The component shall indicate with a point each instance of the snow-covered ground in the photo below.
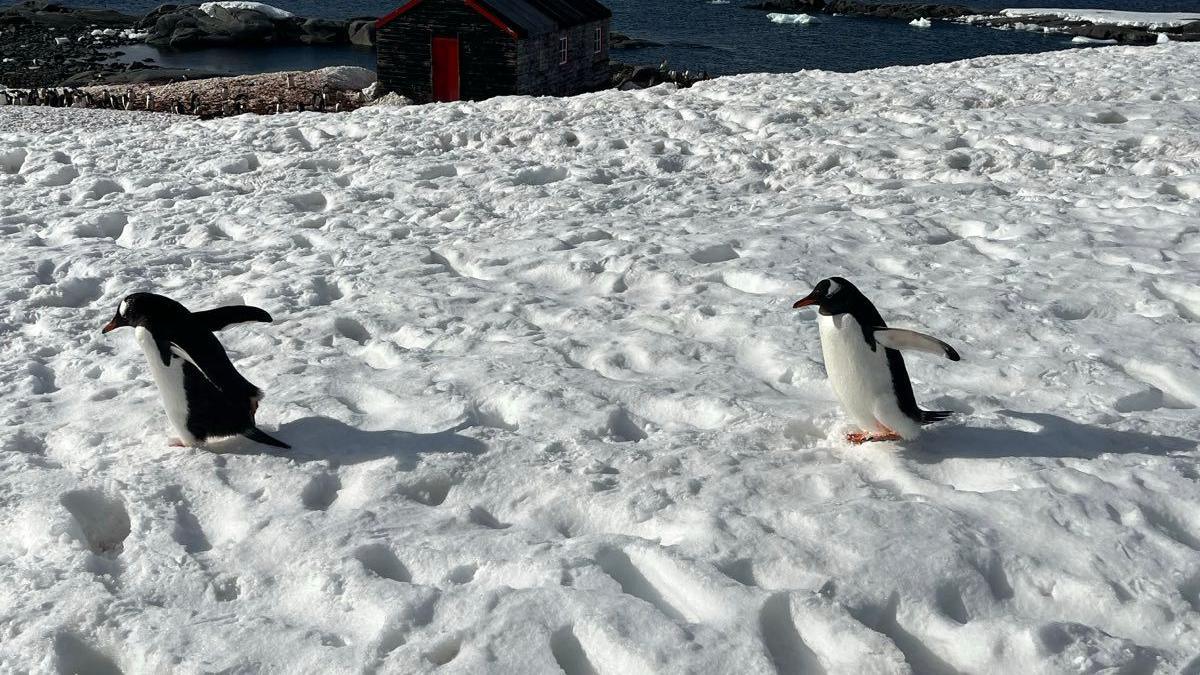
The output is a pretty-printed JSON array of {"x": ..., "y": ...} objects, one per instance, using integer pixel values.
[
  {"x": 552, "y": 408},
  {"x": 1151, "y": 20}
]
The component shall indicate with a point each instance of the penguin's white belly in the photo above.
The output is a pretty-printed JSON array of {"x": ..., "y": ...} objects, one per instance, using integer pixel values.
[
  {"x": 170, "y": 384},
  {"x": 859, "y": 376}
]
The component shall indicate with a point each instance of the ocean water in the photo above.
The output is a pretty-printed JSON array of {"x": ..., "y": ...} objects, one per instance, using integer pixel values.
[{"x": 699, "y": 35}]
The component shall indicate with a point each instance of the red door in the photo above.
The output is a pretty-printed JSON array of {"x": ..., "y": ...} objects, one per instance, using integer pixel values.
[{"x": 445, "y": 69}]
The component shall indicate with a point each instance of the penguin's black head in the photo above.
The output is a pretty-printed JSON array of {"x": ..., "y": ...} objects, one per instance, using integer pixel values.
[
  {"x": 138, "y": 309},
  {"x": 833, "y": 296}
]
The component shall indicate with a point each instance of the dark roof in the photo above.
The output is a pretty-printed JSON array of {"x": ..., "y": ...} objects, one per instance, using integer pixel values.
[{"x": 527, "y": 17}]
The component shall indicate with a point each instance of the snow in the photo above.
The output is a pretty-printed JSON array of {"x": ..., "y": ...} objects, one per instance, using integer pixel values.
[
  {"x": 262, "y": 8},
  {"x": 803, "y": 19},
  {"x": 921, "y": 22},
  {"x": 1083, "y": 39},
  {"x": 348, "y": 77},
  {"x": 552, "y": 408},
  {"x": 1111, "y": 16}
]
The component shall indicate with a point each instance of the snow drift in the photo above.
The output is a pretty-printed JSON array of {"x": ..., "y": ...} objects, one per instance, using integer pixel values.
[{"x": 552, "y": 409}]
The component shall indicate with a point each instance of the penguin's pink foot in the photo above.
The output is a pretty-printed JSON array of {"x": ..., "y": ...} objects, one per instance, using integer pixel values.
[
  {"x": 175, "y": 443},
  {"x": 858, "y": 437}
]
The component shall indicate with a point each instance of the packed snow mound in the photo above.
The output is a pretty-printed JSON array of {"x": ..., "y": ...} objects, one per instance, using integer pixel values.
[
  {"x": 803, "y": 19},
  {"x": 261, "y": 8},
  {"x": 921, "y": 22},
  {"x": 347, "y": 78},
  {"x": 551, "y": 407},
  {"x": 1110, "y": 16}
]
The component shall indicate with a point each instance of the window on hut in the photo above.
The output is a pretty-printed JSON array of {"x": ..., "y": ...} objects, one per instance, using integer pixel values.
[
  {"x": 599, "y": 39},
  {"x": 562, "y": 51}
]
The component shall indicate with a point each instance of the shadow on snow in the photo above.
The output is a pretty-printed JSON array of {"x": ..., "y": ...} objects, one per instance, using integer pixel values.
[
  {"x": 1056, "y": 437},
  {"x": 326, "y": 439}
]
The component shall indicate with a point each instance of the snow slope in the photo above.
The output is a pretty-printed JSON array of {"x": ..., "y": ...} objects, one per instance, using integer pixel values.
[
  {"x": 552, "y": 409},
  {"x": 1111, "y": 16}
]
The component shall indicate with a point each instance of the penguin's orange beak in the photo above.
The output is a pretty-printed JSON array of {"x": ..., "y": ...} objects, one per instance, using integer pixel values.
[
  {"x": 116, "y": 323},
  {"x": 810, "y": 299}
]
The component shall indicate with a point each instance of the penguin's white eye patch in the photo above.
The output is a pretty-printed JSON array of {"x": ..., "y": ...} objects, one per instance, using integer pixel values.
[
  {"x": 122, "y": 307},
  {"x": 834, "y": 287}
]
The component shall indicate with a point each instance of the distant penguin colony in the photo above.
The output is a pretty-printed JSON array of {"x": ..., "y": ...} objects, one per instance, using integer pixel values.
[
  {"x": 193, "y": 104},
  {"x": 865, "y": 368},
  {"x": 204, "y": 395}
]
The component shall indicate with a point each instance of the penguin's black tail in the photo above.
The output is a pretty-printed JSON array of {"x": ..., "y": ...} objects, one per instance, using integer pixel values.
[
  {"x": 260, "y": 436},
  {"x": 931, "y": 416}
]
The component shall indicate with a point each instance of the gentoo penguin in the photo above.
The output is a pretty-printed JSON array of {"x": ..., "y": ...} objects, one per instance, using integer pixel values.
[
  {"x": 204, "y": 395},
  {"x": 866, "y": 370}
]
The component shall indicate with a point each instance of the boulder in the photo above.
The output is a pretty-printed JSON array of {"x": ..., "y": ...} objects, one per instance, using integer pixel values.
[
  {"x": 1192, "y": 28},
  {"x": 190, "y": 27},
  {"x": 1123, "y": 34},
  {"x": 323, "y": 32},
  {"x": 362, "y": 32}
]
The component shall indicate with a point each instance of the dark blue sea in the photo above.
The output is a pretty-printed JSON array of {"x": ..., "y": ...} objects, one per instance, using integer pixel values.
[{"x": 697, "y": 35}]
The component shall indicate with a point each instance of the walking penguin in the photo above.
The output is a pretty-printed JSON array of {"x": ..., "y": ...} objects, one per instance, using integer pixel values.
[
  {"x": 203, "y": 394},
  {"x": 866, "y": 370}
]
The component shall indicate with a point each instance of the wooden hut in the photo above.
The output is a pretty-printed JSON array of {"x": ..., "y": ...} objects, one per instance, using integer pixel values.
[{"x": 447, "y": 50}]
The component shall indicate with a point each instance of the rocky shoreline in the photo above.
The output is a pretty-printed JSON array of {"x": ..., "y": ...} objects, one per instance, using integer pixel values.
[
  {"x": 56, "y": 55},
  {"x": 45, "y": 45},
  {"x": 1082, "y": 28}
]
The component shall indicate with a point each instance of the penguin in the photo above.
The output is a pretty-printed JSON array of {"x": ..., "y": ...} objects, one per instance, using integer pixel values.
[
  {"x": 865, "y": 368},
  {"x": 203, "y": 394}
]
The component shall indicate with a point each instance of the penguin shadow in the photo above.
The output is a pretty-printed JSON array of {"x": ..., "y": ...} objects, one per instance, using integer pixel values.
[
  {"x": 326, "y": 439},
  {"x": 1056, "y": 437}
]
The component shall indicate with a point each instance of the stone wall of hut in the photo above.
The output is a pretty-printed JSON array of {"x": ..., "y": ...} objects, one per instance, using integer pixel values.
[{"x": 539, "y": 70}]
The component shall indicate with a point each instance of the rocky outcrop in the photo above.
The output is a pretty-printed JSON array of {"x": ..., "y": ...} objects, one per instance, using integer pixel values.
[
  {"x": 43, "y": 44},
  {"x": 187, "y": 27},
  {"x": 68, "y": 19},
  {"x": 904, "y": 11},
  {"x": 1132, "y": 35}
]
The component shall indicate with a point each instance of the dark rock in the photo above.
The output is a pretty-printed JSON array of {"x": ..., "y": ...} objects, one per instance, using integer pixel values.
[
  {"x": 188, "y": 27},
  {"x": 619, "y": 41},
  {"x": 1185, "y": 29},
  {"x": 323, "y": 32},
  {"x": 29, "y": 38},
  {"x": 147, "y": 22},
  {"x": 1122, "y": 34},
  {"x": 361, "y": 32}
]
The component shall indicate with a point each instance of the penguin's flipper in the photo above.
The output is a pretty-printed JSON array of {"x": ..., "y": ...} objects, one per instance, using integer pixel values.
[
  {"x": 259, "y": 436},
  {"x": 215, "y": 319},
  {"x": 164, "y": 349},
  {"x": 204, "y": 351},
  {"x": 901, "y": 339}
]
